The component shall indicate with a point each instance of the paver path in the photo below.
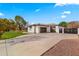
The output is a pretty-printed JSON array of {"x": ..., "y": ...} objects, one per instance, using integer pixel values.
[
  {"x": 69, "y": 47},
  {"x": 33, "y": 45}
]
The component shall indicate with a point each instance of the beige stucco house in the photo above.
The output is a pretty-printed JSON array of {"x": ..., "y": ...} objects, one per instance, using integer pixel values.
[{"x": 40, "y": 28}]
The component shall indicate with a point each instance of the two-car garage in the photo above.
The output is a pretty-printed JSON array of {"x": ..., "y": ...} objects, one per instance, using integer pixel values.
[{"x": 39, "y": 28}]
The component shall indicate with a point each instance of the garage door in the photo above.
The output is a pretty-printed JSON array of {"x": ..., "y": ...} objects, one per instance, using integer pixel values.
[{"x": 43, "y": 30}]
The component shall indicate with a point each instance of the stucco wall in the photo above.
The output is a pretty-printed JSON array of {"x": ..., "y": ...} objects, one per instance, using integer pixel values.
[
  {"x": 36, "y": 29},
  {"x": 48, "y": 29},
  {"x": 57, "y": 29},
  {"x": 31, "y": 29},
  {"x": 78, "y": 31}
]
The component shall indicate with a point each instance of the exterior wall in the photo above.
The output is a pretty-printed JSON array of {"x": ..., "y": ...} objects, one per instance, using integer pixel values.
[
  {"x": 48, "y": 29},
  {"x": 78, "y": 31},
  {"x": 28, "y": 29},
  {"x": 62, "y": 30},
  {"x": 36, "y": 29},
  {"x": 31, "y": 29},
  {"x": 57, "y": 29}
]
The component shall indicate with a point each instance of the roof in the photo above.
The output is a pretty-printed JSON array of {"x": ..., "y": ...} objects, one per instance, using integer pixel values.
[
  {"x": 41, "y": 25},
  {"x": 73, "y": 24}
]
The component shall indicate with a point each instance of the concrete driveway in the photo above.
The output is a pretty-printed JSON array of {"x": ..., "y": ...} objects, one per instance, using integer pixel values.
[{"x": 32, "y": 44}]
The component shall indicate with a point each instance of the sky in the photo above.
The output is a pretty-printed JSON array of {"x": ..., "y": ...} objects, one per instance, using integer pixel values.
[{"x": 41, "y": 12}]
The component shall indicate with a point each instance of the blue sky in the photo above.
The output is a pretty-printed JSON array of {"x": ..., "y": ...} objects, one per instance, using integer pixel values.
[{"x": 40, "y": 12}]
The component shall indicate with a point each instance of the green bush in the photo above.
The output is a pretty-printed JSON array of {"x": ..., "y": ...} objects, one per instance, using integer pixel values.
[{"x": 11, "y": 34}]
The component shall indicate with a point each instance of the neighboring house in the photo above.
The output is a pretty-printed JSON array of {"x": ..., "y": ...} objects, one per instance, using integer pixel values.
[
  {"x": 72, "y": 28},
  {"x": 73, "y": 24},
  {"x": 40, "y": 28}
]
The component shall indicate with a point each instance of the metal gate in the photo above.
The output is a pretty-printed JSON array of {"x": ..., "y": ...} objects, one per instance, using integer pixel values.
[
  {"x": 60, "y": 30},
  {"x": 70, "y": 30}
]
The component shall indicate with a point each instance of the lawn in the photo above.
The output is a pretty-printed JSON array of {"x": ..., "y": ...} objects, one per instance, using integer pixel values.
[{"x": 11, "y": 34}]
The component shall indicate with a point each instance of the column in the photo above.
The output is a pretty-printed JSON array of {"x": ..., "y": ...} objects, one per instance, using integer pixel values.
[
  {"x": 57, "y": 29},
  {"x": 78, "y": 31},
  {"x": 62, "y": 29},
  {"x": 48, "y": 29}
]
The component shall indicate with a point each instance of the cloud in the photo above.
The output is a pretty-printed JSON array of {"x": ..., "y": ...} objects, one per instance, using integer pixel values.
[
  {"x": 1, "y": 14},
  {"x": 59, "y": 4},
  {"x": 66, "y": 12},
  {"x": 66, "y": 1},
  {"x": 63, "y": 16},
  {"x": 63, "y": 3},
  {"x": 37, "y": 10}
]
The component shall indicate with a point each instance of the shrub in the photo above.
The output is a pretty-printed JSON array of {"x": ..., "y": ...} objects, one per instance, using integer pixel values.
[{"x": 11, "y": 34}]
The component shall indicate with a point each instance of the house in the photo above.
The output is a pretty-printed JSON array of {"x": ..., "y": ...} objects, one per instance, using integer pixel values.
[
  {"x": 40, "y": 28},
  {"x": 73, "y": 24}
]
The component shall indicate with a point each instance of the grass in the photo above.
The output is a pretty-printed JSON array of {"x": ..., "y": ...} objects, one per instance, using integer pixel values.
[{"x": 11, "y": 34}]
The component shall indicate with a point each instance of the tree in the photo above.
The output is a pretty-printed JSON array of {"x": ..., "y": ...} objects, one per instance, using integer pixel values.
[
  {"x": 63, "y": 24},
  {"x": 12, "y": 25},
  {"x": 4, "y": 23},
  {"x": 21, "y": 23},
  {"x": 7, "y": 25}
]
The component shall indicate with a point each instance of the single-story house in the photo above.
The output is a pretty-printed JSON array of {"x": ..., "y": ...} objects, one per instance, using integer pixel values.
[{"x": 40, "y": 28}]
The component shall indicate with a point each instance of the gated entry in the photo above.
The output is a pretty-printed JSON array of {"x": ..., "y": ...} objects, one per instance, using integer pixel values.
[
  {"x": 69, "y": 30},
  {"x": 60, "y": 30}
]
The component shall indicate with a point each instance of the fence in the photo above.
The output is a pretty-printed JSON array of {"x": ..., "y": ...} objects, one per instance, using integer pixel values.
[{"x": 71, "y": 30}]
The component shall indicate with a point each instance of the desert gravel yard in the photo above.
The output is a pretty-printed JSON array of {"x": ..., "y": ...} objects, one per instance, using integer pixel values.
[{"x": 68, "y": 47}]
